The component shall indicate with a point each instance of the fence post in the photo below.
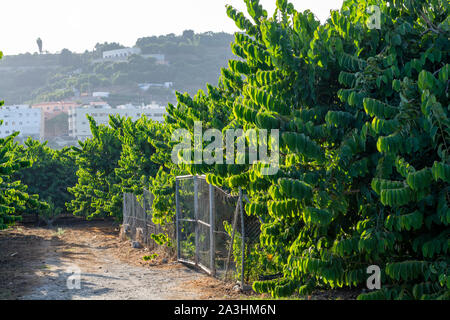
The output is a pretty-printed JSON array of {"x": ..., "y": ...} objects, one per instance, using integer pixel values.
[
  {"x": 123, "y": 211},
  {"x": 243, "y": 238},
  {"x": 212, "y": 228},
  {"x": 145, "y": 218},
  {"x": 196, "y": 220},
  {"x": 133, "y": 216},
  {"x": 177, "y": 217},
  {"x": 230, "y": 249}
]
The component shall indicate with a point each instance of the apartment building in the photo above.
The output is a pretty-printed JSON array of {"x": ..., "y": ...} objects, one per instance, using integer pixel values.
[
  {"x": 79, "y": 124},
  {"x": 22, "y": 118}
]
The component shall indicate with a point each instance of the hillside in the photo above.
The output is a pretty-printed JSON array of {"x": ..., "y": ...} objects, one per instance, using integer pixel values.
[{"x": 192, "y": 61}]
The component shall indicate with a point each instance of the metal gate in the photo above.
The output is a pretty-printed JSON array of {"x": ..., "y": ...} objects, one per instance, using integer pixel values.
[
  {"x": 209, "y": 227},
  {"x": 195, "y": 222}
]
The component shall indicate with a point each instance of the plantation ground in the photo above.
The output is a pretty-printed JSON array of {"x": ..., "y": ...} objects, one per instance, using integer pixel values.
[{"x": 34, "y": 264}]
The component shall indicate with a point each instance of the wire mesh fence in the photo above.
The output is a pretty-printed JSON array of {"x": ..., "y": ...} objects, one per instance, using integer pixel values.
[
  {"x": 210, "y": 228},
  {"x": 137, "y": 219}
]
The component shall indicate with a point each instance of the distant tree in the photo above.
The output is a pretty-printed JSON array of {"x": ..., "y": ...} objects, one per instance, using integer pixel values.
[
  {"x": 39, "y": 43},
  {"x": 188, "y": 34},
  {"x": 106, "y": 46},
  {"x": 65, "y": 57}
]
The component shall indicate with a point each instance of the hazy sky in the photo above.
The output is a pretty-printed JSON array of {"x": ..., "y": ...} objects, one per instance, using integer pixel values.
[{"x": 79, "y": 24}]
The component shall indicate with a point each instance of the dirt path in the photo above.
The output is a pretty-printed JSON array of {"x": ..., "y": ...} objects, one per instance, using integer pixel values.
[{"x": 38, "y": 263}]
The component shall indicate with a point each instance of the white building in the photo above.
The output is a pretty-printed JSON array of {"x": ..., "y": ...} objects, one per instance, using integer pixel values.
[
  {"x": 20, "y": 118},
  {"x": 146, "y": 86},
  {"x": 121, "y": 53},
  {"x": 79, "y": 124},
  {"x": 100, "y": 94}
]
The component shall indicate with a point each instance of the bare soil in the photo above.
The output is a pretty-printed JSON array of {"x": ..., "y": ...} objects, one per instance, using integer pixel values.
[{"x": 36, "y": 263}]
